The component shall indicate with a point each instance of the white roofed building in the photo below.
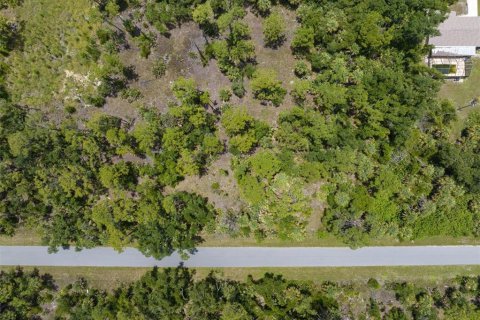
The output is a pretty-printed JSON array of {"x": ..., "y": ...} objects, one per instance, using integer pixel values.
[{"x": 457, "y": 43}]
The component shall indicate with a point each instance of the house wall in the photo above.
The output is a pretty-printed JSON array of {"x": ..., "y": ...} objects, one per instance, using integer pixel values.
[
  {"x": 460, "y": 64},
  {"x": 472, "y": 7}
]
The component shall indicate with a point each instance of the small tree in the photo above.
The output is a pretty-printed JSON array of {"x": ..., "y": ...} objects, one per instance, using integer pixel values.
[
  {"x": 267, "y": 87},
  {"x": 203, "y": 14},
  {"x": 303, "y": 41},
  {"x": 159, "y": 68},
  {"x": 274, "y": 30}
]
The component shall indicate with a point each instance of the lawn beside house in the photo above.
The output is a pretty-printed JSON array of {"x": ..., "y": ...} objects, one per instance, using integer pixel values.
[{"x": 461, "y": 94}]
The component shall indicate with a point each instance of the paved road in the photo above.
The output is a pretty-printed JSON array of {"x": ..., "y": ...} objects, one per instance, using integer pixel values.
[{"x": 249, "y": 257}]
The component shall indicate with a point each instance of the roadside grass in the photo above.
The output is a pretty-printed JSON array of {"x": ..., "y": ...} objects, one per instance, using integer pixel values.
[
  {"x": 111, "y": 278},
  {"x": 23, "y": 237},
  {"x": 213, "y": 240},
  {"x": 460, "y": 94},
  {"x": 31, "y": 237},
  {"x": 420, "y": 275}
]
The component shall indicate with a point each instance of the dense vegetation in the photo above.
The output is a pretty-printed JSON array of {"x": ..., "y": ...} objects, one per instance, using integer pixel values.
[
  {"x": 175, "y": 294},
  {"x": 367, "y": 137}
]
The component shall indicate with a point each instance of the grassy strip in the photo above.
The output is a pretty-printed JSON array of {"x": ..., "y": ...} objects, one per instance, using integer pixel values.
[
  {"x": 110, "y": 278},
  {"x": 329, "y": 241},
  {"x": 28, "y": 237},
  {"x": 22, "y": 237},
  {"x": 461, "y": 94}
]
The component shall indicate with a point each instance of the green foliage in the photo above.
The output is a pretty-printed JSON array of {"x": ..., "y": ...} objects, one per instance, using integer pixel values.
[
  {"x": 301, "y": 89},
  {"x": 231, "y": 47},
  {"x": 278, "y": 204},
  {"x": 7, "y": 36},
  {"x": 145, "y": 43},
  {"x": 179, "y": 293},
  {"x": 225, "y": 95},
  {"x": 203, "y": 14},
  {"x": 9, "y": 3},
  {"x": 238, "y": 88},
  {"x": 77, "y": 69},
  {"x": 373, "y": 283},
  {"x": 121, "y": 175},
  {"x": 263, "y": 6},
  {"x": 267, "y": 87},
  {"x": 370, "y": 139},
  {"x": 244, "y": 131},
  {"x": 181, "y": 218},
  {"x": 303, "y": 41},
  {"x": 302, "y": 70},
  {"x": 186, "y": 91},
  {"x": 159, "y": 68},
  {"x": 274, "y": 29},
  {"x": 131, "y": 94},
  {"x": 24, "y": 293}
]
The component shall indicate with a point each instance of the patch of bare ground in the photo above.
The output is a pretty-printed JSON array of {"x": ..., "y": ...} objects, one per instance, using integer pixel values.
[
  {"x": 179, "y": 50},
  {"x": 219, "y": 187}
]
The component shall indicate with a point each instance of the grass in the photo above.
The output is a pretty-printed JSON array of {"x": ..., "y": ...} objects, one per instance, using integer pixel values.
[
  {"x": 329, "y": 241},
  {"x": 460, "y": 94},
  {"x": 110, "y": 278},
  {"x": 22, "y": 237},
  {"x": 419, "y": 275},
  {"x": 29, "y": 237}
]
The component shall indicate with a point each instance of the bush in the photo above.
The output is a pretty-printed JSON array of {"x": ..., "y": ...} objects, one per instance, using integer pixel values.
[
  {"x": 238, "y": 88},
  {"x": 373, "y": 283},
  {"x": 131, "y": 94},
  {"x": 70, "y": 109},
  {"x": 159, "y": 68},
  {"x": 267, "y": 87},
  {"x": 215, "y": 186},
  {"x": 225, "y": 95},
  {"x": 302, "y": 70},
  {"x": 274, "y": 30},
  {"x": 303, "y": 41},
  {"x": 300, "y": 90}
]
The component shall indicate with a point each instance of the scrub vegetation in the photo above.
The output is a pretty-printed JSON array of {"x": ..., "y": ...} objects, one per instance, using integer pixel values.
[
  {"x": 183, "y": 294},
  {"x": 155, "y": 123}
]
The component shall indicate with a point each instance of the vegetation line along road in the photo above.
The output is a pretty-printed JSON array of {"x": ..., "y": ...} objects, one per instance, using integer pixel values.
[{"x": 248, "y": 257}]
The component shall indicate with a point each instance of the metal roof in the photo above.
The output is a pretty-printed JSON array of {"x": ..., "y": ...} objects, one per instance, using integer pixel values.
[{"x": 458, "y": 31}]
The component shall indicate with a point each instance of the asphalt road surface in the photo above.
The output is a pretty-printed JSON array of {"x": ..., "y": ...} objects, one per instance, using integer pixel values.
[{"x": 248, "y": 257}]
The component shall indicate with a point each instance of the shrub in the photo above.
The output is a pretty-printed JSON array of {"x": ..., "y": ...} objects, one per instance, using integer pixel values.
[
  {"x": 303, "y": 41},
  {"x": 267, "y": 87},
  {"x": 302, "y": 70},
  {"x": 225, "y": 95},
  {"x": 159, "y": 68},
  {"x": 215, "y": 186},
  {"x": 274, "y": 30},
  {"x": 373, "y": 283},
  {"x": 131, "y": 94},
  {"x": 238, "y": 88}
]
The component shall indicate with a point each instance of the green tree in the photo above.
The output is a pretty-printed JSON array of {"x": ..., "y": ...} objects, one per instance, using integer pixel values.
[
  {"x": 267, "y": 87},
  {"x": 274, "y": 29},
  {"x": 303, "y": 41},
  {"x": 203, "y": 14},
  {"x": 24, "y": 293}
]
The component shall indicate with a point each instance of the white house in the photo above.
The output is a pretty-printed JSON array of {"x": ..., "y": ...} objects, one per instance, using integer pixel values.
[{"x": 457, "y": 43}]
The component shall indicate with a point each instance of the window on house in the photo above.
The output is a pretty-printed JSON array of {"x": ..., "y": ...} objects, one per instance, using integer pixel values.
[{"x": 446, "y": 68}]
